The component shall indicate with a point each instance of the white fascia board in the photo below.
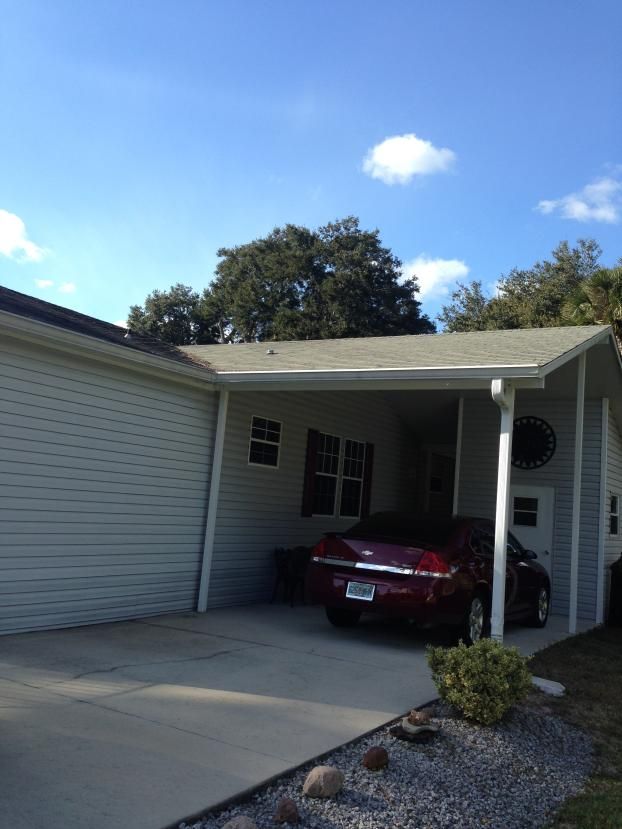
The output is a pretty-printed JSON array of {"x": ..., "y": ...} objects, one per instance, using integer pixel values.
[
  {"x": 600, "y": 336},
  {"x": 36, "y": 332},
  {"x": 450, "y": 376}
]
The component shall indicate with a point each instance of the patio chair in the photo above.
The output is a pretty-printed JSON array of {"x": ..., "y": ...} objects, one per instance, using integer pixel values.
[{"x": 291, "y": 568}]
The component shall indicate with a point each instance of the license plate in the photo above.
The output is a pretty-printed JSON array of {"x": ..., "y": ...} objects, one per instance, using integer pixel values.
[{"x": 357, "y": 590}]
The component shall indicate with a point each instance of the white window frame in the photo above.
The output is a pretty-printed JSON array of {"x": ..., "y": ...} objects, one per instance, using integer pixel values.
[
  {"x": 535, "y": 511},
  {"x": 614, "y": 514},
  {"x": 337, "y": 477},
  {"x": 343, "y": 477},
  {"x": 262, "y": 440},
  {"x": 336, "y": 513}
]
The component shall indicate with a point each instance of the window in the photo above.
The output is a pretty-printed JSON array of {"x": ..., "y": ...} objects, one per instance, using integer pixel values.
[
  {"x": 525, "y": 512},
  {"x": 327, "y": 475},
  {"x": 265, "y": 442},
  {"x": 337, "y": 476},
  {"x": 352, "y": 479},
  {"x": 614, "y": 515}
]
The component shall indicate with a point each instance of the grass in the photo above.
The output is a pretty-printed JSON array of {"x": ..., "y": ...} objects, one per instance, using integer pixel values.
[{"x": 590, "y": 666}]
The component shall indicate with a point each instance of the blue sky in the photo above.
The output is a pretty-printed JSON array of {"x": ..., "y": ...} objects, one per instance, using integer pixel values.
[{"x": 138, "y": 138}]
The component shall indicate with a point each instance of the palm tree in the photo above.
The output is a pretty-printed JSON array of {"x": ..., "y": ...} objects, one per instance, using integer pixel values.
[{"x": 598, "y": 301}]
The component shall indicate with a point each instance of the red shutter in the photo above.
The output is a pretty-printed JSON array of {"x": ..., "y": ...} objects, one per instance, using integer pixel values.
[
  {"x": 313, "y": 440},
  {"x": 367, "y": 476}
]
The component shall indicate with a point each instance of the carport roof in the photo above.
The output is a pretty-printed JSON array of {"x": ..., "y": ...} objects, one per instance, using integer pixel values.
[{"x": 532, "y": 348}]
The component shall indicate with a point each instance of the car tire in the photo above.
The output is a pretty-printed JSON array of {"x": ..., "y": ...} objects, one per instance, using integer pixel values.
[
  {"x": 342, "y": 618},
  {"x": 476, "y": 624},
  {"x": 540, "y": 612}
]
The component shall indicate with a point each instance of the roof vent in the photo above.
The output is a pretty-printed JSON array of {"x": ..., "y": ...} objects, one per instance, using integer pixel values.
[{"x": 270, "y": 351}]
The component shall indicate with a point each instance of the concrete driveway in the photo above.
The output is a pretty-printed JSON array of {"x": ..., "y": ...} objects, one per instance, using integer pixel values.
[{"x": 142, "y": 723}]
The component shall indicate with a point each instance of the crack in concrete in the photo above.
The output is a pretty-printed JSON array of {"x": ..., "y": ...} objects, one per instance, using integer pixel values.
[
  {"x": 311, "y": 652},
  {"x": 182, "y": 730},
  {"x": 110, "y": 710},
  {"x": 114, "y": 668}
]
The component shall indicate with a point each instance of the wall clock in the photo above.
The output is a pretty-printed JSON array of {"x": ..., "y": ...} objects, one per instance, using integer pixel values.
[{"x": 533, "y": 442}]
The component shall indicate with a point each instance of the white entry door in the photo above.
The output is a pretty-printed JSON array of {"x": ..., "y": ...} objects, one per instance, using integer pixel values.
[{"x": 532, "y": 510}]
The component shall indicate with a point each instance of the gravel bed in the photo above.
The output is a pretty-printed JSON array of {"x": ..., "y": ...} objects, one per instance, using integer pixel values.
[{"x": 513, "y": 775}]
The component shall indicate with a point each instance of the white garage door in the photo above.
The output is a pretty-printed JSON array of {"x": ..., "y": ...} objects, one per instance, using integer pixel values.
[{"x": 103, "y": 482}]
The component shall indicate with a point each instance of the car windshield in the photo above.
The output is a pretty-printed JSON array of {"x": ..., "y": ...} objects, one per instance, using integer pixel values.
[{"x": 405, "y": 527}]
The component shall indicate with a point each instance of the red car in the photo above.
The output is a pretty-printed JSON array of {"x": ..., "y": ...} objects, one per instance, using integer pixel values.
[{"x": 428, "y": 570}]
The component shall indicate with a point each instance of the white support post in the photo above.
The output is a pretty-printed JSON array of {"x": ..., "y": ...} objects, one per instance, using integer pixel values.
[
  {"x": 212, "y": 506},
  {"x": 458, "y": 455},
  {"x": 600, "y": 567},
  {"x": 576, "y": 497},
  {"x": 503, "y": 395}
]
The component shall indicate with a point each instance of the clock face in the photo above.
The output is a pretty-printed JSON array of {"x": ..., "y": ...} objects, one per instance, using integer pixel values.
[{"x": 533, "y": 442}]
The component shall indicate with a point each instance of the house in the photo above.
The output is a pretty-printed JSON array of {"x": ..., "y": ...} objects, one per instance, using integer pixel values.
[{"x": 140, "y": 479}]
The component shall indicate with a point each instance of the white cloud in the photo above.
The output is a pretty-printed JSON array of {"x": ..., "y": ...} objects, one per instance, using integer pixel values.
[
  {"x": 44, "y": 283},
  {"x": 400, "y": 158},
  {"x": 14, "y": 241},
  {"x": 600, "y": 201},
  {"x": 121, "y": 323},
  {"x": 67, "y": 288},
  {"x": 436, "y": 276}
]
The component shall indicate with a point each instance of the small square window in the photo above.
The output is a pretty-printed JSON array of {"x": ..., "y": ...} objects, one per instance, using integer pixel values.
[
  {"x": 525, "y": 512},
  {"x": 265, "y": 442},
  {"x": 614, "y": 515}
]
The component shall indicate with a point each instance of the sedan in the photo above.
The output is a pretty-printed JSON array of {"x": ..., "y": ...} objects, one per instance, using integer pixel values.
[{"x": 426, "y": 569}]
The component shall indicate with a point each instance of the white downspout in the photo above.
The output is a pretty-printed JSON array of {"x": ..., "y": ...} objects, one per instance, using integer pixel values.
[
  {"x": 458, "y": 456},
  {"x": 600, "y": 568},
  {"x": 212, "y": 506},
  {"x": 576, "y": 497},
  {"x": 503, "y": 395}
]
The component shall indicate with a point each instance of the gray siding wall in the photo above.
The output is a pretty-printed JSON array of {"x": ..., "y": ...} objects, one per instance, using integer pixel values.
[
  {"x": 103, "y": 485},
  {"x": 259, "y": 507},
  {"x": 478, "y": 480},
  {"x": 613, "y": 543}
]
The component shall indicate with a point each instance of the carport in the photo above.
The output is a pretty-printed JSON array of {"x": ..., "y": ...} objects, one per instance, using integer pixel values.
[{"x": 559, "y": 376}]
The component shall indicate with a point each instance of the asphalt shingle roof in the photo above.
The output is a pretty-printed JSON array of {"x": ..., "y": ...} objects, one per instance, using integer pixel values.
[
  {"x": 523, "y": 347},
  {"x": 36, "y": 309}
]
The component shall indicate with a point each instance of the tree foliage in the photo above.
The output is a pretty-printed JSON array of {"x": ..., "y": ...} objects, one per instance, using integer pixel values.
[
  {"x": 175, "y": 316},
  {"x": 597, "y": 301},
  {"x": 525, "y": 298},
  {"x": 337, "y": 281}
]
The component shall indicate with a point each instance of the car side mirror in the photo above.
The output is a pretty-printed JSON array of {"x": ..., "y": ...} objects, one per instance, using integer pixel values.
[{"x": 530, "y": 554}]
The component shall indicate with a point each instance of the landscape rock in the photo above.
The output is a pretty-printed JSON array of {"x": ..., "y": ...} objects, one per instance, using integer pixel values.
[
  {"x": 423, "y": 736},
  {"x": 549, "y": 686},
  {"x": 375, "y": 758},
  {"x": 240, "y": 822},
  {"x": 323, "y": 781},
  {"x": 420, "y": 717},
  {"x": 286, "y": 811},
  {"x": 409, "y": 728}
]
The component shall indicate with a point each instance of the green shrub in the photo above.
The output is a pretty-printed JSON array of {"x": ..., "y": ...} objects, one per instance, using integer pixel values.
[{"x": 482, "y": 681}]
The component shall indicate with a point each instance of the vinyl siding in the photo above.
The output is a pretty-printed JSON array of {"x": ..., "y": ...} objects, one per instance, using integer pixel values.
[
  {"x": 613, "y": 543},
  {"x": 103, "y": 486},
  {"x": 259, "y": 507},
  {"x": 478, "y": 478}
]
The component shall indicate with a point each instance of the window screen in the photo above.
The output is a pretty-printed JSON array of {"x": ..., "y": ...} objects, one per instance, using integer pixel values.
[{"x": 265, "y": 442}]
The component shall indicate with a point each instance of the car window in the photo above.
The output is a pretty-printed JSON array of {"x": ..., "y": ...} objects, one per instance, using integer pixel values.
[
  {"x": 405, "y": 528},
  {"x": 483, "y": 541}
]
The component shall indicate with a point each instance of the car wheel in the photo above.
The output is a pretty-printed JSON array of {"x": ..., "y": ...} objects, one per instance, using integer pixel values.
[
  {"x": 477, "y": 620},
  {"x": 540, "y": 612},
  {"x": 341, "y": 618}
]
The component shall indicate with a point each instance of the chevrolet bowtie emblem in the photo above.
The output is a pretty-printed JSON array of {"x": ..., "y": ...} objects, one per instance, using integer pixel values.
[{"x": 367, "y": 553}]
